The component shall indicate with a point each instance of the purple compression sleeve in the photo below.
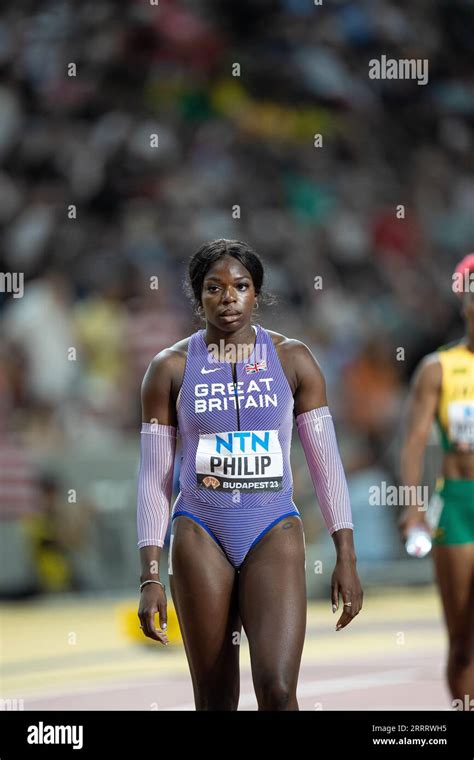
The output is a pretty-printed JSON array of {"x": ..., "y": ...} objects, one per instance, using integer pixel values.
[
  {"x": 155, "y": 482},
  {"x": 318, "y": 438}
]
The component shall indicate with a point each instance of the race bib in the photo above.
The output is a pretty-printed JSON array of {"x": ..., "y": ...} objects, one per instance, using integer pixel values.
[
  {"x": 461, "y": 424},
  {"x": 247, "y": 460}
]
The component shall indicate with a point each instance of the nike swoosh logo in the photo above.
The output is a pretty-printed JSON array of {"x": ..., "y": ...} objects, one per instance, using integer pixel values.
[{"x": 206, "y": 371}]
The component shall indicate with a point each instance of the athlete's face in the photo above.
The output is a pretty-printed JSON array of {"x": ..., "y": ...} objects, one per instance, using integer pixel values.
[{"x": 228, "y": 295}]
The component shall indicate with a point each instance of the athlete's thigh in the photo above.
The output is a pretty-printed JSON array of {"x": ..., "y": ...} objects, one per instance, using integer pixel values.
[
  {"x": 204, "y": 588},
  {"x": 272, "y": 601},
  {"x": 454, "y": 569}
]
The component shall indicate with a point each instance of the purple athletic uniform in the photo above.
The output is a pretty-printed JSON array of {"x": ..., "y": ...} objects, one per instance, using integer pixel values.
[{"x": 235, "y": 477}]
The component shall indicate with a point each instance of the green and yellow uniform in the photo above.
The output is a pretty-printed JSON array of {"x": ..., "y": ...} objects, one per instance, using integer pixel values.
[{"x": 451, "y": 510}]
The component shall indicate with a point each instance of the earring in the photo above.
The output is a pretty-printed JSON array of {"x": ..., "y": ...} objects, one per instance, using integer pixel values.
[{"x": 255, "y": 306}]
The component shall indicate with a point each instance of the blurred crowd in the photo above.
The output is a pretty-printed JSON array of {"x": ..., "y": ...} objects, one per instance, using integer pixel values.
[{"x": 131, "y": 131}]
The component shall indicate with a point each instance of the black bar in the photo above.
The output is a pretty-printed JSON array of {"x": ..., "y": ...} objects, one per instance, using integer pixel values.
[{"x": 321, "y": 733}]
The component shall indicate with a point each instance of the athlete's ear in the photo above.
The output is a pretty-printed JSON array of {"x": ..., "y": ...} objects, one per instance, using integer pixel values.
[{"x": 199, "y": 311}]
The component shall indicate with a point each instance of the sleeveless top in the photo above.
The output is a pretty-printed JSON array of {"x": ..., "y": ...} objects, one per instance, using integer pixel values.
[
  {"x": 235, "y": 437},
  {"x": 455, "y": 414}
]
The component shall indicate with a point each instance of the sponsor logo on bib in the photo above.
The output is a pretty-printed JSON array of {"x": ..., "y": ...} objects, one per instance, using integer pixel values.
[{"x": 247, "y": 460}]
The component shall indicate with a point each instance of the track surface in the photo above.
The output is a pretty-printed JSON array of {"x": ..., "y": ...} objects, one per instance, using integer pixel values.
[{"x": 76, "y": 655}]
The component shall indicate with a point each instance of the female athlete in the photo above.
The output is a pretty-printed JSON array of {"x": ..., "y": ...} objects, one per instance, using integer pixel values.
[
  {"x": 237, "y": 555},
  {"x": 443, "y": 390}
]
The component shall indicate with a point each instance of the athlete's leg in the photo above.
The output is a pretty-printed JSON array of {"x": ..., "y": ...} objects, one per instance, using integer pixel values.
[
  {"x": 204, "y": 590},
  {"x": 454, "y": 567},
  {"x": 272, "y": 601}
]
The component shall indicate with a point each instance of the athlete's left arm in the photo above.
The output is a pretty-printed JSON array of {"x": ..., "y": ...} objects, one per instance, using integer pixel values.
[{"x": 318, "y": 438}]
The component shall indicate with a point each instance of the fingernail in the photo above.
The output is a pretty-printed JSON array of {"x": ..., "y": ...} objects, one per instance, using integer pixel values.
[
  {"x": 164, "y": 626},
  {"x": 334, "y": 608},
  {"x": 338, "y": 627}
]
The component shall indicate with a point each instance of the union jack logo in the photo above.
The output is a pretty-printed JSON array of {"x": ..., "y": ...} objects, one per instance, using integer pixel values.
[{"x": 255, "y": 367}]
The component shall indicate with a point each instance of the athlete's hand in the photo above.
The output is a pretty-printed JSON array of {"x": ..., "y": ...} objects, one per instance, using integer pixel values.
[
  {"x": 153, "y": 600},
  {"x": 345, "y": 581},
  {"x": 413, "y": 516}
]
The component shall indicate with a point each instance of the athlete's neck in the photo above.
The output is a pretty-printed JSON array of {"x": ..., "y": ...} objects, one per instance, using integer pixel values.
[
  {"x": 225, "y": 344},
  {"x": 246, "y": 334}
]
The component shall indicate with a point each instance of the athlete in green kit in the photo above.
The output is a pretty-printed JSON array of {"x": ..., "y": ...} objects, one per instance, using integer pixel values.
[{"x": 443, "y": 392}]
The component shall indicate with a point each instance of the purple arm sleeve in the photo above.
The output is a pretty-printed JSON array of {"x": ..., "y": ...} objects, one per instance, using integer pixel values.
[
  {"x": 318, "y": 438},
  {"x": 155, "y": 482}
]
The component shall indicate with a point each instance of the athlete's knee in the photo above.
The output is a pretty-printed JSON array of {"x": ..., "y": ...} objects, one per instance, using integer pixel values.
[
  {"x": 216, "y": 702},
  {"x": 461, "y": 653},
  {"x": 274, "y": 693},
  {"x": 217, "y": 697}
]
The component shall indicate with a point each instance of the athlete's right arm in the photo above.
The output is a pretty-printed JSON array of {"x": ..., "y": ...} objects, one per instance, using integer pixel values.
[
  {"x": 155, "y": 483},
  {"x": 423, "y": 401}
]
